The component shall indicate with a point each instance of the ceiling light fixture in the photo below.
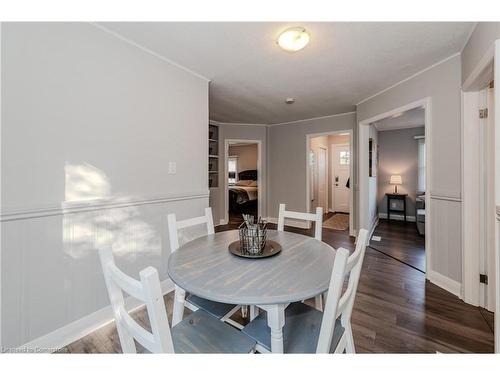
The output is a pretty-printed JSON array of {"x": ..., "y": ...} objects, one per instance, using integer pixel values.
[
  {"x": 293, "y": 39},
  {"x": 289, "y": 100}
]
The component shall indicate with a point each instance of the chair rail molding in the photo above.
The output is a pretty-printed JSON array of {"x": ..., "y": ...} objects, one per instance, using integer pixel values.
[{"x": 11, "y": 214}]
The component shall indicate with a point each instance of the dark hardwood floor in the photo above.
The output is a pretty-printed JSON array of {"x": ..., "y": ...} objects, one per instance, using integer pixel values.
[
  {"x": 396, "y": 311},
  {"x": 401, "y": 241}
]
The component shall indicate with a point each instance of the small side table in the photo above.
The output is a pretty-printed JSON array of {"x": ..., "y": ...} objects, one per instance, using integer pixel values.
[{"x": 395, "y": 197}]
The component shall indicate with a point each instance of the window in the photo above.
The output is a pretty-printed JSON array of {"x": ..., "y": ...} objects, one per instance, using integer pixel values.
[
  {"x": 344, "y": 158},
  {"x": 232, "y": 168},
  {"x": 421, "y": 164}
]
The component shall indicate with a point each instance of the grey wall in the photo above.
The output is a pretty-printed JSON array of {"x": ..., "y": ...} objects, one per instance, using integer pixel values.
[
  {"x": 398, "y": 154},
  {"x": 247, "y": 156},
  {"x": 287, "y": 159},
  {"x": 481, "y": 39},
  {"x": 442, "y": 84},
  {"x": 241, "y": 132},
  {"x": 89, "y": 124}
]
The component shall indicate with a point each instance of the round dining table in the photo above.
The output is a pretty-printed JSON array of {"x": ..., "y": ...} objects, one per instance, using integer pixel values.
[{"x": 205, "y": 267}]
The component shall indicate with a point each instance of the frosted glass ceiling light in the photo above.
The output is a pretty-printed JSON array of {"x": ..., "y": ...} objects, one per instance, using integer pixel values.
[{"x": 293, "y": 39}]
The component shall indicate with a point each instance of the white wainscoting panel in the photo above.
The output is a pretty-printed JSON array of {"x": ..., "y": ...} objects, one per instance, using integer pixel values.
[
  {"x": 51, "y": 276},
  {"x": 446, "y": 239}
]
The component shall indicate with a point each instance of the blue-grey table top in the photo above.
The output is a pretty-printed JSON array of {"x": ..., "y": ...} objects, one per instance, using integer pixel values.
[{"x": 207, "y": 269}]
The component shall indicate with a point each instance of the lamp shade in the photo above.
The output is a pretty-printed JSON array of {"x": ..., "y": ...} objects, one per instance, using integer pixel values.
[{"x": 396, "y": 179}]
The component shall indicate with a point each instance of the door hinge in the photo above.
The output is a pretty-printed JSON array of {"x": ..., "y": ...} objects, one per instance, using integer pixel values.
[
  {"x": 483, "y": 113},
  {"x": 483, "y": 279}
]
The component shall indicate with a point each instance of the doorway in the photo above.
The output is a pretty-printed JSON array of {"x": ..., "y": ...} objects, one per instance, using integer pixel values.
[
  {"x": 480, "y": 182},
  {"x": 340, "y": 177},
  {"x": 372, "y": 197},
  {"x": 242, "y": 179},
  {"x": 329, "y": 170},
  {"x": 398, "y": 175}
]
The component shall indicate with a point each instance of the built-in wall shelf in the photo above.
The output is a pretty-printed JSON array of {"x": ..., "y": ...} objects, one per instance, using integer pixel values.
[{"x": 213, "y": 156}]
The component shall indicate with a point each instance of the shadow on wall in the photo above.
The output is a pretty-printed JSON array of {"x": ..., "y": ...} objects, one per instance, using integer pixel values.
[{"x": 121, "y": 228}]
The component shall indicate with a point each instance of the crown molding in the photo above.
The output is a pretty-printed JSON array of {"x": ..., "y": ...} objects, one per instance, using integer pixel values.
[
  {"x": 147, "y": 50},
  {"x": 213, "y": 122},
  {"x": 312, "y": 118},
  {"x": 468, "y": 37},
  {"x": 409, "y": 78}
]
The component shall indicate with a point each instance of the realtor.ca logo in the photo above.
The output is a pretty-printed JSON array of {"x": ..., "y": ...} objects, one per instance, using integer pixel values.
[{"x": 27, "y": 350}]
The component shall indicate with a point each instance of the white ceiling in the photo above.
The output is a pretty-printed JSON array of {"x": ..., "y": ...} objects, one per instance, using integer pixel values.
[
  {"x": 343, "y": 64},
  {"x": 413, "y": 118}
]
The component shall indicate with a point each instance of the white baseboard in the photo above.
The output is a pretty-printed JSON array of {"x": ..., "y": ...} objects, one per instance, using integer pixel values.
[
  {"x": 74, "y": 331},
  {"x": 372, "y": 228},
  {"x": 293, "y": 223},
  {"x": 397, "y": 217},
  {"x": 445, "y": 282}
]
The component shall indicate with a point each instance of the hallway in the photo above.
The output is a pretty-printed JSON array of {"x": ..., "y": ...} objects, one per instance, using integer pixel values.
[{"x": 400, "y": 241}]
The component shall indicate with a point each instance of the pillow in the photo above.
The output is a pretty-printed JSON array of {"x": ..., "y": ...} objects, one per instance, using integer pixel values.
[
  {"x": 243, "y": 183},
  {"x": 253, "y": 184}
]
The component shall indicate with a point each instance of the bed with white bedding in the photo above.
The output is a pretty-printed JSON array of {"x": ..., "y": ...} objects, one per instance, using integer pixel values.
[{"x": 244, "y": 193}]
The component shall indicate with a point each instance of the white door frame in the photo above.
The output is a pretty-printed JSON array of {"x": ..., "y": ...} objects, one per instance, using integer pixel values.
[
  {"x": 363, "y": 137},
  {"x": 352, "y": 231},
  {"x": 261, "y": 188},
  {"x": 331, "y": 171},
  {"x": 327, "y": 186},
  {"x": 487, "y": 68}
]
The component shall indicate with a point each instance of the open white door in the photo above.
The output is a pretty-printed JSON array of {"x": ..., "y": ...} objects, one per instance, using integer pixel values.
[{"x": 340, "y": 176}]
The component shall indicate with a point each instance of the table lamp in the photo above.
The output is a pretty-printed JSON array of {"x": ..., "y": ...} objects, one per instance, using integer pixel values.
[{"x": 396, "y": 180}]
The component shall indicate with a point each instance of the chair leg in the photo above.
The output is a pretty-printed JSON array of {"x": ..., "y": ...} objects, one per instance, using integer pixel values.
[
  {"x": 342, "y": 345},
  {"x": 254, "y": 311},
  {"x": 350, "y": 340},
  {"x": 244, "y": 311},
  {"x": 179, "y": 299},
  {"x": 318, "y": 301}
]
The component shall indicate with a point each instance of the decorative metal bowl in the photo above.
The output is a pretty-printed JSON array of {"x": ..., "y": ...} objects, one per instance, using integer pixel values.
[{"x": 270, "y": 249}]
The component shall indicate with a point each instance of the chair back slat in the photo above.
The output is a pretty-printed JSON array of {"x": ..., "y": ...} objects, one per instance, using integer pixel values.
[
  {"x": 174, "y": 226},
  {"x": 316, "y": 217},
  {"x": 353, "y": 270},
  {"x": 125, "y": 283},
  {"x": 141, "y": 335},
  {"x": 334, "y": 291},
  {"x": 147, "y": 290},
  {"x": 340, "y": 304}
]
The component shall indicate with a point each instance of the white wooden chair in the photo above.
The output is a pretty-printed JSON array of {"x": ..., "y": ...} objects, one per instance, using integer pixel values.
[
  {"x": 318, "y": 228},
  {"x": 308, "y": 330},
  {"x": 218, "y": 310},
  {"x": 317, "y": 218},
  {"x": 198, "y": 333}
]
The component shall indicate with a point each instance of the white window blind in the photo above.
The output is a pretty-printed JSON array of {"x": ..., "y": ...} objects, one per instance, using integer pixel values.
[{"x": 421, "y": 165}]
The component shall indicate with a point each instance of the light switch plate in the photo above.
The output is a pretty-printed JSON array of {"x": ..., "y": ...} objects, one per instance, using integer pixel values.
[{"x": 172, "y": 167}]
